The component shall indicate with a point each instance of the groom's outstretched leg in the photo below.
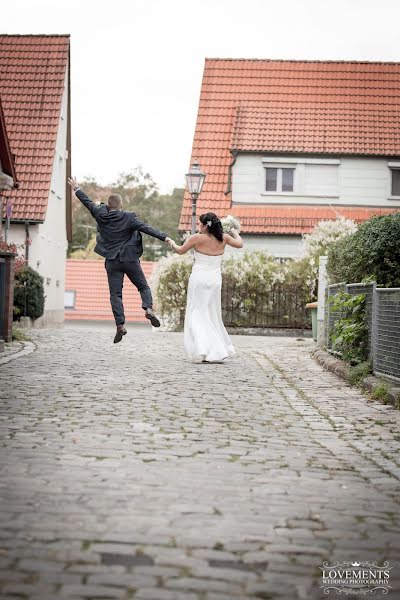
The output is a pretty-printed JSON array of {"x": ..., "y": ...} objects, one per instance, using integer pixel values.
[
  {"x": 115, "y": 276},
  {"x": 135, "y": 273}
]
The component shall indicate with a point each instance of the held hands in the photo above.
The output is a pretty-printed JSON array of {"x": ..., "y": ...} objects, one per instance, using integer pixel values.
[{"x": 170, "y": 243}]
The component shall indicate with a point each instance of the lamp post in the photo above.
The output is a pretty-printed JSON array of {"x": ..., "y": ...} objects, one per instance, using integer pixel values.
[{"x": 194, "y": 181}]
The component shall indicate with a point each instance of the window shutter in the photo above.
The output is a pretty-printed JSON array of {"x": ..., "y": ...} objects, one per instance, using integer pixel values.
[{"x": 321, "y": 180}]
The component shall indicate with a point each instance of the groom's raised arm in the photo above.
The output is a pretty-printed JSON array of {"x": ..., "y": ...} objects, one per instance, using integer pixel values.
[
  {"x": 138, "y": 224},
  {"x": 86, "y": 201}
]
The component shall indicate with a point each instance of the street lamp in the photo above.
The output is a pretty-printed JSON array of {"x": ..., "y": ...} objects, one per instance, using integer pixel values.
[{"x": 194, "y": 180}]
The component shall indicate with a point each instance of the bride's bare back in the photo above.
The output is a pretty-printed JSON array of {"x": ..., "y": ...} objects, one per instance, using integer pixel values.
[{"x": 208, "y": 244}]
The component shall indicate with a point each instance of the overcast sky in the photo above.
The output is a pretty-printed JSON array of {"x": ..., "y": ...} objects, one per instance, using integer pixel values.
[{"x": 137, "y": 65}]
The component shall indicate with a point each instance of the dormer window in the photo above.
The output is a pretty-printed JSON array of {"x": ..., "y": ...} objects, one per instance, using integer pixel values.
[{"x": 279, "y": 179}]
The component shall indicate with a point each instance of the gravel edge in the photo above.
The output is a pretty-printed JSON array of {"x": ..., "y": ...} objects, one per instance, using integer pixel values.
[{"x": 368, "y": 384}]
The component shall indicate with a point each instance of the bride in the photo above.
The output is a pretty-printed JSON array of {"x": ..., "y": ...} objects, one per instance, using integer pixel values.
[{"x": 205, "y": 336}]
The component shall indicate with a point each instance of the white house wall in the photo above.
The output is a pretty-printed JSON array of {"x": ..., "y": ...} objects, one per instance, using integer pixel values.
[
  {"x": 360, "y": 181},
  {"x": 280, "y": 246},
  {"x": 47, "y": 252}
]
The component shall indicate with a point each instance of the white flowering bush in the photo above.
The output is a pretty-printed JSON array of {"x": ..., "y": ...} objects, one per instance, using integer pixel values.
[
  {"x": 315, "y": 244},
  {"x": 261, "y": 290},
  {"x": 229, "y": 223},
  {"x": 324, "y": 234},
  {"x": 248, "y": 283},
  {"x": 248, "y": 276},
  {"x": 169, "y": 286}
]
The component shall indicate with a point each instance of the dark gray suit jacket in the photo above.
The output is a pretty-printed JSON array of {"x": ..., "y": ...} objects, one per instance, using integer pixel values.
[{"x": 119, "y": 231}]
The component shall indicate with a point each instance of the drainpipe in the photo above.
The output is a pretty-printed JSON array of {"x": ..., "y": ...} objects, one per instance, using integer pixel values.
[
  {"x": 26, "y": 242},
  {"x": 229, "y": 185}
]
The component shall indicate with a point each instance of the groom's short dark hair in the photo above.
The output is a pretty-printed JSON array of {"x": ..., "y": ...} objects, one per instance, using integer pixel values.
[{"x": 114, "y": 201}]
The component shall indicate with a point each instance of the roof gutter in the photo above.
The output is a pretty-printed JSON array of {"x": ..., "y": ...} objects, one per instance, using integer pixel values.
[{"x": 25, "y": 221}]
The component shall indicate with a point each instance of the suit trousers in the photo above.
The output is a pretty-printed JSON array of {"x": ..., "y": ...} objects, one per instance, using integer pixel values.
[{"x": 116, "y": 270}]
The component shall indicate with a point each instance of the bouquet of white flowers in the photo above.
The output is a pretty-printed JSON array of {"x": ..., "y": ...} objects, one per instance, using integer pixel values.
[{"x": 229, "y": 223}]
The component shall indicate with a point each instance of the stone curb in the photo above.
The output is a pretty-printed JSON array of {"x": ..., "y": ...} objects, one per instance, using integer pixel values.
[
  {"x": 340, "y": 368},
  {"x": 28, "y": 348},
  {"x": 279, "y": 332}
]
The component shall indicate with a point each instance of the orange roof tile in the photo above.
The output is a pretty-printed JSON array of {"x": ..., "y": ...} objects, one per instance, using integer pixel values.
[
  {"x": 32, "y": 74},
  {"x": 297, "y": 219},
  {"x": 310, "y": 107},
  {"x": 88, "y": 279}
]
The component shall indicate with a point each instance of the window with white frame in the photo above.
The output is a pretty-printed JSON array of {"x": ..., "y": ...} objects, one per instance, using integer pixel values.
[
  {"x": 395, "y": 190},
  {"x": 279, "y": 179},
  {"x": 303, "y": 176},
  {"x": 69, "y": 298}
]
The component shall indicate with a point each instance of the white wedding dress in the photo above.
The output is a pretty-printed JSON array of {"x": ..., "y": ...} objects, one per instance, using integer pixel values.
[{"x": 205, "y": 336}]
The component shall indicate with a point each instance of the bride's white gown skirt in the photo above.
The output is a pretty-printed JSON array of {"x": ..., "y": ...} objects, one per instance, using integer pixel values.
[{"x": 205, "y": 336}]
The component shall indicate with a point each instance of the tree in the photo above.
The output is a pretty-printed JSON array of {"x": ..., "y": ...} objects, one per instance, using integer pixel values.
[{"x": 83, "y": 224}]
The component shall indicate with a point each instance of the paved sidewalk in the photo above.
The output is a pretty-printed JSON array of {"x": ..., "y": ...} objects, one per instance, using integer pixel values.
[
  {"x": 15, "y": 349},
  {"x": 128, "y": 472}
]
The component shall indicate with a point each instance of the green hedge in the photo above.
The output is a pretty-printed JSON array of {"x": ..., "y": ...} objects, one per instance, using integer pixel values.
[
  {"x": 371, "y": 253},
  {"x": 29, "y": 288}
]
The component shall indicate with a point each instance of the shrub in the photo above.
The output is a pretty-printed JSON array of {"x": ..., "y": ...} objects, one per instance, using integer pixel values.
[
  {"x": 350, "y": 334},
  {"x": 315, "y": 244},
  {"x": 357, "y": 373},
  {"x": 380, "y": 392},
  {"x": 169, "y": 283},
  {"x": 28, "y": 293},
  {"x": 371, "y": 253},
  {"x": 246, "y": 279},
  {"x": 250, "y": 276},
  {"x": 20, "y": 336}
]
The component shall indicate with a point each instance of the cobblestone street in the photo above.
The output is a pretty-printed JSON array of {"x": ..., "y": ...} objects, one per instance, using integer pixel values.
[{"x": 128, "y": 472}]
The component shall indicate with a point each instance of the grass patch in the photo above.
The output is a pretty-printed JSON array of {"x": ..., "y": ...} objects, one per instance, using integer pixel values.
[
  {"x": 381, "y": 392},
  {"x": 359, "y": 518},
  {"x": 19, "y": 335},
  {"x": 357, "y": 373},
  {"x": 85, "y": 545},
  {"x": 234, "y": 457}
]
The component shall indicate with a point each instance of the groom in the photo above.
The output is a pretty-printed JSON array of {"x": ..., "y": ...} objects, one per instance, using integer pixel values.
[{"x": 119, "y": 240}]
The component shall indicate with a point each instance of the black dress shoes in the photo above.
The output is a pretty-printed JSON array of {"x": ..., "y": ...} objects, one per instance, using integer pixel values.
[
  {"x": 121, "y": 331},
  {"x": 150, "y": 314}
]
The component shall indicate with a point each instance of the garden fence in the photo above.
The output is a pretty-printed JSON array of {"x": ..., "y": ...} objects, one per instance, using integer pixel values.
[
  {"x": 383, "y": 324},
  {"x": 386, "y": 332},
  {"x": 283, "y": 305}
]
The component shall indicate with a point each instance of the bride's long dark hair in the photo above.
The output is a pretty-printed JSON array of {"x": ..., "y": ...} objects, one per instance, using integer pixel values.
[{"x": 214, "y": 225}]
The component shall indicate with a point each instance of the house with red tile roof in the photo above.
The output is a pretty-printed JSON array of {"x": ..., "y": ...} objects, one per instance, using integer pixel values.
[
  {"x": 8, "y": 178},
  {"x": 286, "y": 144},
  {"x": 87, "y": 296},
  {"x": 35, "y": 96}
]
